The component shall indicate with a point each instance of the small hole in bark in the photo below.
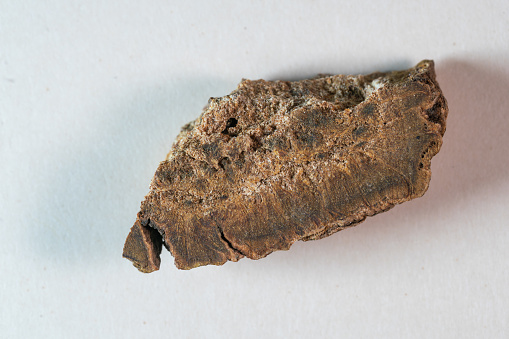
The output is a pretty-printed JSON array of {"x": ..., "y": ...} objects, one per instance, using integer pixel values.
[
  {"x": 421, "y": 165},
  {"x": 232, "y": 122},
  {"x": 223, "y": 163},
  {"x": 434, "y": 113}
]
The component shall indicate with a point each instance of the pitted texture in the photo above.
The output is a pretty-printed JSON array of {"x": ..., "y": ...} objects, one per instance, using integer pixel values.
[{"x": 275, "y": 162}]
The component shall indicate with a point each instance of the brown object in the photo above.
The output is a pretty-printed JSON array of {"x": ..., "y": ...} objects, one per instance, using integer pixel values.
[{"x": 276, "y": 161}]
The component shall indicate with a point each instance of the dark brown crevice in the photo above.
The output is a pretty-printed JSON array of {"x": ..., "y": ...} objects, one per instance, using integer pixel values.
[
  {"x": 156, "y": 238},
  {"x": 435, "y": 113},
  {"x": 228, "y": 242},
  {"x": 158, "y": 234}
]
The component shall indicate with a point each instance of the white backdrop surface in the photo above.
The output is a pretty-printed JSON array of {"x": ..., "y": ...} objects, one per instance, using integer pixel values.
[{"x": 93, "y": 93}]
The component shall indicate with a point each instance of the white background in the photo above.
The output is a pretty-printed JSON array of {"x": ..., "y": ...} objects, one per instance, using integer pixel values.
[{"x": 92, "y": 95}]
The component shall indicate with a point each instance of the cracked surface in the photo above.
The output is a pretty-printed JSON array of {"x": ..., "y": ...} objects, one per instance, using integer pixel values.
[{"x": 275, "y": 162}]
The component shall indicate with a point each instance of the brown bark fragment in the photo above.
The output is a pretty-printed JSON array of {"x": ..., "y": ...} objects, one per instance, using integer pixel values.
[{"x": 275, "y": 162}]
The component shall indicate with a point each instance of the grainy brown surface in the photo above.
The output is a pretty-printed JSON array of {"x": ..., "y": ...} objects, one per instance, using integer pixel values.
[{"x": 275, "y": 162}]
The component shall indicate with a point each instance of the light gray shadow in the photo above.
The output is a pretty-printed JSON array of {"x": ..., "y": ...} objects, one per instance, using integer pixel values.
[{"x": 331, "y": 67}]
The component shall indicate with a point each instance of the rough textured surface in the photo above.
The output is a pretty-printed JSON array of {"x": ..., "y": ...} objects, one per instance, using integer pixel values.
[{"x": 276, "y": 162}]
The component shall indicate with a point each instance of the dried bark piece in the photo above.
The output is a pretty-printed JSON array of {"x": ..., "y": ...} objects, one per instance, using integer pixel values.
[{"x": 275, "y": 162}]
